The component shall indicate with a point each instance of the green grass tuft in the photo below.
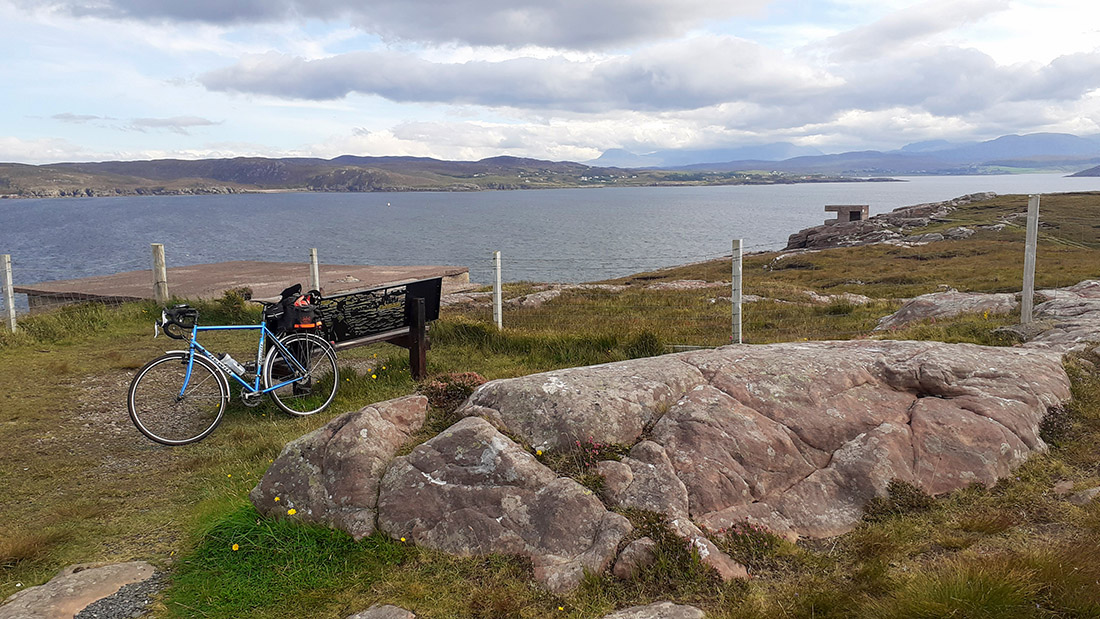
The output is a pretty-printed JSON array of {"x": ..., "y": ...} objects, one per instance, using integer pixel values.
[
  {"x": 988, "y": 588},
  {"x": 278, "y": 565}
]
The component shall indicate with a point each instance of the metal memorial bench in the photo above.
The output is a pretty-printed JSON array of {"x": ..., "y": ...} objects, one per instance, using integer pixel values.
[{"x": 397, "y": 313}]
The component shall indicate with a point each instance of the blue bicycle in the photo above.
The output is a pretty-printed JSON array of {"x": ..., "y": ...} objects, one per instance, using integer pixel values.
[{"x": 180, "y": 397}]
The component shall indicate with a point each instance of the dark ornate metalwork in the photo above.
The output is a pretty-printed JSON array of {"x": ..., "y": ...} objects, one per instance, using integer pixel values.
[{"x": 362, "y": 313}]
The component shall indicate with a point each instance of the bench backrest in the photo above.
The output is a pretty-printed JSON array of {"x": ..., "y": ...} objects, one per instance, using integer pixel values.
[{"x": 361, "y": 313}]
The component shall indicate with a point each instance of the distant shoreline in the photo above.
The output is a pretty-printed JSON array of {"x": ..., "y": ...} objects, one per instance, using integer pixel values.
[{"x": 88, "y": 192}]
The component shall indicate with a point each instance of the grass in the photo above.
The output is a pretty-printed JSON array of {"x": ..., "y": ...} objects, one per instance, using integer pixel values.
[{"x": 81, "y": 485}]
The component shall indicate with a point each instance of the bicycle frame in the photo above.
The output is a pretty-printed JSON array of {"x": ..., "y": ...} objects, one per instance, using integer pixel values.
[{"x": 195, "y": 348}]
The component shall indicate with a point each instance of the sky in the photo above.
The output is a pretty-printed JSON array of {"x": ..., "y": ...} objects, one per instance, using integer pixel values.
[{"x": 95, "y": 80}]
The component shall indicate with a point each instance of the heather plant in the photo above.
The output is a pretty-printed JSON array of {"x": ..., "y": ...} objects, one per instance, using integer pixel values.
[
  {"x": 446, "y": 392},
  {"x": 753, "y": 545},
  {"x": 901, "y": 498}
]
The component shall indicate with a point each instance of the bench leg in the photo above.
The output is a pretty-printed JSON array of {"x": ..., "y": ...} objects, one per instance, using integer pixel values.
[{"x": 418, "y": 336}]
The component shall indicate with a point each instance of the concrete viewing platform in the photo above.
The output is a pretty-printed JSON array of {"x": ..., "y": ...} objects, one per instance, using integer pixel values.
[{"x": 210, "y": 281}]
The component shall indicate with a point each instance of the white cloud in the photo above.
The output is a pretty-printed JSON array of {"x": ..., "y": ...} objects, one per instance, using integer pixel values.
[{"x": 43, "y": 150}]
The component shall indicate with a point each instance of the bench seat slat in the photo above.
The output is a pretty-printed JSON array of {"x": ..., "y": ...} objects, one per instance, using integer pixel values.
[{"x": 385, "y": 336}]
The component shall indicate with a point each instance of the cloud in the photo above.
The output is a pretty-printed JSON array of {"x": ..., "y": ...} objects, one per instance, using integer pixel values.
[
  {"x": 75, "y": 118},
  {"x": 767, "y": 88},
  {"x": 177, "y": 124},
  {"x": 662, "y": 77},
  {"x": 577, "y": 24},
  {"x": 43, "y": 150},
  {"x": 900, "y": 29}
]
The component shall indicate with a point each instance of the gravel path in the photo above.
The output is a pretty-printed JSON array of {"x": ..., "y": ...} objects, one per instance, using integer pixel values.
[{"x": 133, "y": 600}]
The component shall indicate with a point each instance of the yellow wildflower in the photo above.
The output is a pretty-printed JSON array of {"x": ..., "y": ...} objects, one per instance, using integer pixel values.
[
  {"x": 291, "y": 511},
  {"x": 236, "y": 548},
  {"x": 276, "y": 499},
  {"x": 374, "y": 376}
]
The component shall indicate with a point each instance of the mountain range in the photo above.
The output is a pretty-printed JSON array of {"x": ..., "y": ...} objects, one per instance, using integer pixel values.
[
  {"x": 774, "y": 163},
  {"x": 1061, "y": 152}
]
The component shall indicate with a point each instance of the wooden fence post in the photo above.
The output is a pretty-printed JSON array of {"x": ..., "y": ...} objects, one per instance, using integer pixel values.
[
  {"x": 1027, "y": 299},
  {"x": 160, "y": 275},
  {"x": 314, "y": 271},
  {"x": 9, "y": 292},
  {"x": 498, "y": 309},
  {"x": 735, "y": 299}
]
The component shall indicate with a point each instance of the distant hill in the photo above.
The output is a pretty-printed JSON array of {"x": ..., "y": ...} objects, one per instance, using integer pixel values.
[
  {"x": 775, "y": 163},
  {"x": 1022, "y": 153},
  {"x": 776, "y": 151},
  {"x": 1089, "y": 172},
  {"x": 344, "y": 173}
]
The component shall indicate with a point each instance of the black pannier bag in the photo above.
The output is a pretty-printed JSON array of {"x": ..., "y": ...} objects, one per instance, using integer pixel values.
[{"x": 294, "y": 312}]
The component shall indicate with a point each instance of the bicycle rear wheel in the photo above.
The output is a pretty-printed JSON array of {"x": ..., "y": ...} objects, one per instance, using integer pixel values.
[
  {"x": 161, "y": 413},
  {"x": 309, "y": 389}
]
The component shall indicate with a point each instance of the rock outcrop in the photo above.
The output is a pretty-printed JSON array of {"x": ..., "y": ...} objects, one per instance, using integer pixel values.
[
  {"x": 1068, "y": 319},
  {"x": 472, "y": 491},
  {"x": 1071, "y": 316},
  {"x": 794, "y": 437},
  {"x": 797, "y": 437},
  {"x": 330, "y": 476},
  {"x": 886, "y": 227},
  {"x": 658, "y": 610},
  {"x": 74, "y": 589},
  {"x": 387, "y": 611},
  {"x": 940, "y": 305}
]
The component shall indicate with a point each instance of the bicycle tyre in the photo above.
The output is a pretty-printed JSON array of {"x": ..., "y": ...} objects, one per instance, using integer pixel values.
[
  {"x": 161, "y": 415},
  {"x": 312, "y": 391}
]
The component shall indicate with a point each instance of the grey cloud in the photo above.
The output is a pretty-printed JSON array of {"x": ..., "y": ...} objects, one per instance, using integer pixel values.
[
  {"x": 951, "y": 81},
  {"x": 693, "y": 74},
  {"x": 944, "y": 81},
  {"x": 512, "y": 23},
  {"x": 902, "y": 28},
  {"x": 699, "y": 72},
  {"x": 75, "y": 118},
  {"x": 177, "y": 124},
  {"x": 1065, "y": 78}
]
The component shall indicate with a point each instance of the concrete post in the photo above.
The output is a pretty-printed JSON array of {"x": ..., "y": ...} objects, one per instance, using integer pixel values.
[
  {"x": 160, "y": 275},
  {"x": 314, "y": 271},
  {"x": 498, "y": 308},
  {"x": 735, "y": 299},
  {"x": 1026, "y": 301},
  {"x": 9, "y": 292}
]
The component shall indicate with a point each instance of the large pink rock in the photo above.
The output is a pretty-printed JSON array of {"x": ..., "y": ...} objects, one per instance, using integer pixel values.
[
  {"x": 797, "y": 437},
  {"x": 472, "y": 491},
  {"x": 611, "y": 403},
  {"x": 330, "y": 476}
]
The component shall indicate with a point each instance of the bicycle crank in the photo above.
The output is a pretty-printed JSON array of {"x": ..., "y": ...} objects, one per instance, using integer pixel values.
[{"x": 251, "y": 399}]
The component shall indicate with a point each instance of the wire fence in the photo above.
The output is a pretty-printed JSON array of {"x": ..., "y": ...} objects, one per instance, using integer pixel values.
[{"x": 684, "y": 298}]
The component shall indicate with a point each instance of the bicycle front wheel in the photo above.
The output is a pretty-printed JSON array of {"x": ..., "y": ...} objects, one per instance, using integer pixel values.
[
  {"x": 171, "y": 413},
  {"x": 307, "y": 383}
]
